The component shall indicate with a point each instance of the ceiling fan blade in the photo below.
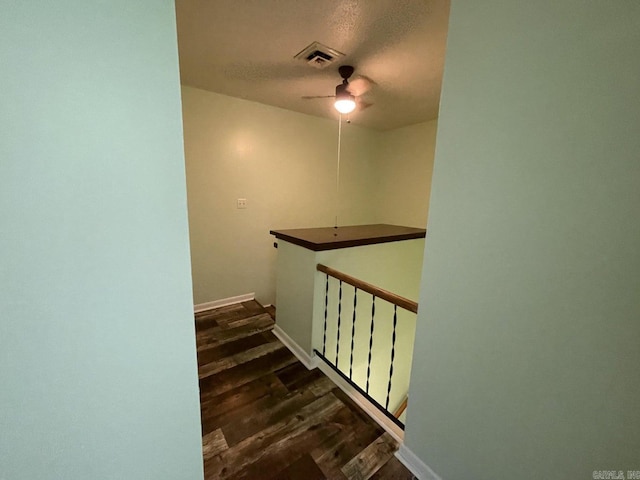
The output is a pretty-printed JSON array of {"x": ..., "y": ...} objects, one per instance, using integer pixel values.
[
  {"x": 362, "y": 105},
  {"x": 311, "y": 97},
  {"x": 359, "y": 86}
]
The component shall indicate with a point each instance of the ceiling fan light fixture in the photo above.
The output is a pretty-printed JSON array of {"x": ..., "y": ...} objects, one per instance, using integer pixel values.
[
  {"x": 345, "y": 102},
  {"x": 345, "y": 105}
]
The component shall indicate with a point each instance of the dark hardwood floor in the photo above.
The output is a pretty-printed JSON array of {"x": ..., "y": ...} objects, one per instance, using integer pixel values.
[{"x": 265, "y": 416}]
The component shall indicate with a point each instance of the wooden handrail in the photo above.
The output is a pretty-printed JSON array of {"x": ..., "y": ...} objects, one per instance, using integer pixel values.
[
  {"x": 403, "y": 406},
  {"x": 402, "y": 302}
]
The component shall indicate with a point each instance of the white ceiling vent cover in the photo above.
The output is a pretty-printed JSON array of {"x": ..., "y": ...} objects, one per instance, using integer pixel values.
[{"x": 318, "y": 55}]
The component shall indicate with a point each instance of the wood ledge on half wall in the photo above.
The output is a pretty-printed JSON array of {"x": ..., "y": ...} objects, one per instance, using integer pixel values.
[{"x": 331, "y": 238}]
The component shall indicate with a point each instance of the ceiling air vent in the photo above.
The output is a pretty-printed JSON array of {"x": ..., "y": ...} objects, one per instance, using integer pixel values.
[{"x": 318, "y": 55}]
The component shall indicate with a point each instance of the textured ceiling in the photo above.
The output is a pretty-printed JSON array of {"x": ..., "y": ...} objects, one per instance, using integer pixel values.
[{"x": 245, "y": 49}]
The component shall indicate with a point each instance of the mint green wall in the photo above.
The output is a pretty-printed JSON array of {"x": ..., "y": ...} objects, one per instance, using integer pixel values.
[
  {"x": 529, "y": 325},
  {"x": 97, "y": 351}
]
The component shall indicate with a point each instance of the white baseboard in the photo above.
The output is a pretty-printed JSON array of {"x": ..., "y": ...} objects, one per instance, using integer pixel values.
[
  {"x": 415, "y": 465},
  {"x": 296, "y": 349},
  {"x": 201, "y": 307},
  {"x": 380, "y": 418}
]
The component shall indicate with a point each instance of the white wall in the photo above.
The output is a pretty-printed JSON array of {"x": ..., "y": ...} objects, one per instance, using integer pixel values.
[
  {"x": 404, "y": 165},
  {"x": 284, "y": 163},
  {"x": 98, "y": 373},
  {"x": 526, "y": 357}
]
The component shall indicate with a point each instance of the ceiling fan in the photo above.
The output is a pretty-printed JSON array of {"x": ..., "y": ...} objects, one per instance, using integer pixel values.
[{"x": 348, "y": 93}]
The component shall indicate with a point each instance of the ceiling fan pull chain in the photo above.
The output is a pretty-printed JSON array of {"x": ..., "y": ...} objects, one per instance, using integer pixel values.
[{"x": 338, "y": 169}]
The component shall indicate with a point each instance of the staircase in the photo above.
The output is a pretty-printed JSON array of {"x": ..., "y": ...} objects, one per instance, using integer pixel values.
[{"x": 264, "y": 415}]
